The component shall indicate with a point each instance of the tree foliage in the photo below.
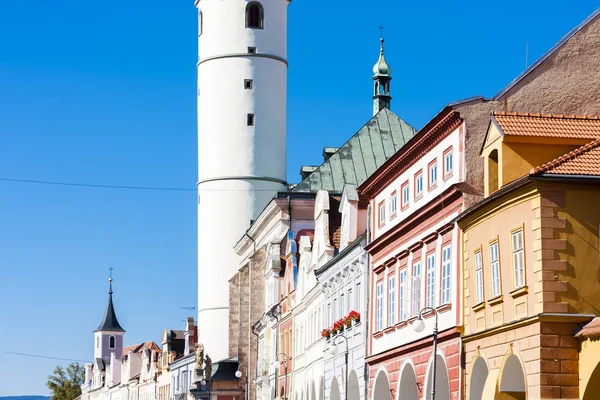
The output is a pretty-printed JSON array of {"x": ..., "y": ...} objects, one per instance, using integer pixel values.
[{"x": 65, "y": 383}]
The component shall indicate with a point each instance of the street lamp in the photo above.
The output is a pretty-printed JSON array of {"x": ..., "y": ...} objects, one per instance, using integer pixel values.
[
  {"x": 276, "y": 365},
  {"x": 238, "y": 374},
  {"x": 334, "y": 350},
  {"x": 419, "y": 325}
]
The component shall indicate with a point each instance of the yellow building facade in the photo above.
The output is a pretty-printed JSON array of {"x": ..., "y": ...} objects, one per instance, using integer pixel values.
[{"x": 530, "y": 258}]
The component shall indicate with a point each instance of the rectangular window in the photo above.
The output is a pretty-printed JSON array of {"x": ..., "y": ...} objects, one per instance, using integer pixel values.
[
  {"x": 251, "y": 50},
  {"x": 382, "y": 213},
  {"x": 432, "y": 173},
  {"x": 335, "y": 310},
  {"x": 393, "y": 204},
  {"x": 358, "y": 299},
  {"x": 379, "y": 313},
  {"x": 418, "y": 184},
  {"x": 416, "y": 289},
  {"x": 250, "y": 120},
  {"x": 478, "y": 278},
  {"x": 392, "y": 300},
  {"x": 329, "y": 316},
  {"x": 405, "y": 194},
  {"x": 430, "y": 292},
  {"x": 248, "y": 83},
  {"x": 495, "y": 267},
  {"x": 402, "y": 295},
  {"x": 446, "y": 272},
  {"x": 448, "y": 163},
  {"x": 518, "y": 258},
  {"x": 343, "y": 305}
]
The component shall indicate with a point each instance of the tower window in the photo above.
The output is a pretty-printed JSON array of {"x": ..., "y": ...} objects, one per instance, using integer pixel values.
[
  {"x": 250, "y": 119},
  {"x": 112, "y": 342},
  {"x": 251, "y": 50},
  {"x": 200, "y": 23},
  {"x": 254, "y": 15},
  {"x": 248, "y": 83}
]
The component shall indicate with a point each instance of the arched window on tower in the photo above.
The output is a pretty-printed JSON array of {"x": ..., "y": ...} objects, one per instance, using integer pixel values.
[
  {"x": 112, "y": 342},
  {"x": 200, "y": 23},
  {"x": 255, "y": 15}
]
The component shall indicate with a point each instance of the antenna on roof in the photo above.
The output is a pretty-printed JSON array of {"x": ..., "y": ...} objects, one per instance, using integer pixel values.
[
  {"x": 190, "y": 309},
  {"x": 526, "y": 55}
]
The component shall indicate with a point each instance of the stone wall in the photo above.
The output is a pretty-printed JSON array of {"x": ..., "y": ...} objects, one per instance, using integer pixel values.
[{"x": 246, "y": 303}]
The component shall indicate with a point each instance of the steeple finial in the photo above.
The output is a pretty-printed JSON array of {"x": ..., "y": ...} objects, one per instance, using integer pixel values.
[
  {"x": 382, "y": 77},
  {"x": 110, "y": 270}
]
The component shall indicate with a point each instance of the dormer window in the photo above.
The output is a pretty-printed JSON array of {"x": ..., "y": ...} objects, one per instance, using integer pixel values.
[
  {"x": 254, "y": 15},
  {"x": 492, "y": 172},
  {"x": 112, "y": 342}
]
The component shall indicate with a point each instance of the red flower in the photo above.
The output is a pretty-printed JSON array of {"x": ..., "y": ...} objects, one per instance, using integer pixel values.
[{"x": 326, "y": 333}]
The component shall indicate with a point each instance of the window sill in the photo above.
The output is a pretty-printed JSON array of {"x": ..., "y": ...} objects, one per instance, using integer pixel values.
[
  {"x": 419, "y": 196},
  {"x": 378, "y": 334},
  {"x": 393, "y": 215},
  {"x": 444, "y": 307},
  {"x": 479, "y": 307},
  {"x": 448, "y": 176},
  {"x": 402, "y": 324},
  {"x": 519, "y": 292},
  {"x": 496, "y": 300},
  {"x": 389, "y": 329},
  {"x": 432, "y": 187}
]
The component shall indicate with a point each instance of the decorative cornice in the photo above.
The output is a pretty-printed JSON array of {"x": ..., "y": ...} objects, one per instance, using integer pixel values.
[{"x": 427, "y": 138}]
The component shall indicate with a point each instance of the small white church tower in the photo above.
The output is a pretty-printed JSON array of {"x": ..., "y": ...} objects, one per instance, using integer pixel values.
[
  {"x": 108, "y": 338},
  {"x": 242, "y": 82}
]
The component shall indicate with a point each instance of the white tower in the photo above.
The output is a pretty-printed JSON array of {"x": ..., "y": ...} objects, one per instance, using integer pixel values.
[{"x": 242, "y": 82}]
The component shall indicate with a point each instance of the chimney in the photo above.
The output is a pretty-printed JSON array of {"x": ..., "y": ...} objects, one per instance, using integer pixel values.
[
  {"x": 328, "y": 152},
  {"x": 306, "y": 170},
  {"x": 190, "y": 340}
]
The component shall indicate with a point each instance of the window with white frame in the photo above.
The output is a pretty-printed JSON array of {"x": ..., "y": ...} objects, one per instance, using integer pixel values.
[
  {"x": 433, "y": 174},
  {"x": 405, "y": 194},
  {"x": 336, "y": 312},
  {"x": 448, "y": 162},
  {"x": 393, "y": 203},
  {"x": 418, "y": 184},
  {"x": 350, "y": 299},
  {"x": 382, "y": 213},
  {"x": 518, "y": 258},
  {"x": 402, "y": 295},
  {"x": 446, "y": 272},
  {"x": 416, "y": 289},
  {"x": 392, "y": 300},
  {"x": 358, "y": 303},
  {"x": 430, "y": 292},
  {"x": 478, "y": 278},
  {"x": 379, "y": 313},
  {"x": 342, "y": 304},
  {"x": 495, "y": 269},
  {"x": 329, "y": 315}
]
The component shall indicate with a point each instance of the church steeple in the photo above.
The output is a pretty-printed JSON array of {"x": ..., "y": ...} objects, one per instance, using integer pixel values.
[
  {"x": 381, "y": 81},
  {"x": 109, "y": 322},
  {"x": 108, "y": 337}
]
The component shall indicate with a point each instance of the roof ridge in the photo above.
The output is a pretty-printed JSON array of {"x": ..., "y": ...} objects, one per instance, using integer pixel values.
[
  {"x": 544, "y": 115},
  {"x": 566, "y": 157}
]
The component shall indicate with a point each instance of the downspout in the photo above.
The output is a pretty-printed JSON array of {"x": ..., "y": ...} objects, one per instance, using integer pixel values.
[
  {"x": 253, "y": 330},
  {"x": 367, "y": 290},
  {"x": 276, "y": 353}
]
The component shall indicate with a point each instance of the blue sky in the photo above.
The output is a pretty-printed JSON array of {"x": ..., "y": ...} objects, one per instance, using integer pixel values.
[{"x": 105, "y": 93}]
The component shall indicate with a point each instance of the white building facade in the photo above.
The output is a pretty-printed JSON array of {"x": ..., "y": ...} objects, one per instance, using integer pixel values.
[
  {"x": 343, "y": 281},
  {"x": 242, "y": 81}
]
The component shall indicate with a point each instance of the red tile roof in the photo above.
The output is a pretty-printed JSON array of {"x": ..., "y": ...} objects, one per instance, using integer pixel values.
[
  {"x": 591, "y": 329},
  {"x": 137, "y": 348},
  {"x": 582, "y": 161},
  {"x": 548, "y": 125}
]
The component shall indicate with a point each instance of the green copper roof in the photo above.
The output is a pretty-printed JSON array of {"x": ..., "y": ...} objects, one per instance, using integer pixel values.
[
  {"x": 360, "y": 156},
  {"x": 382, "y": 67}
]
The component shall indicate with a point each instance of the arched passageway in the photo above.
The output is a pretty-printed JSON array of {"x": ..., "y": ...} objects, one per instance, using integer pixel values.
[
  {"x": 479, "y": 374},
  {"x": 353, "y": 388},
  {"x": 442, "y": 384},
  {"x": 512, "y": 380},
  {"x": 407, "y": 384},
  {"x": 381, "y": 390},
  {"x": 592, "y": 390},
  {"x": 334, "y": 392}
]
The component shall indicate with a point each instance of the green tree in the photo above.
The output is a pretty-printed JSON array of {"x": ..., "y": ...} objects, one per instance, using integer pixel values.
[{"x": 65, "y": 382}]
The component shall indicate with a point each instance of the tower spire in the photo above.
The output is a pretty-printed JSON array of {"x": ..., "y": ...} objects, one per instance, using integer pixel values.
[
  {"x": 381, "y": 79},
  {"x": 109, "y": 322}
]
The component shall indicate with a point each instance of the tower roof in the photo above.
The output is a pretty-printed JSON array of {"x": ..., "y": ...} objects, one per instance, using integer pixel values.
[
  {"x": 382, "y": 67},
  {"x": 109, "y": 322}
]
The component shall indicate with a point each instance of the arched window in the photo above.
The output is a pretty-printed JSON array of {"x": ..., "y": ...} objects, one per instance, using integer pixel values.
[
  {"x": 111, "y": 342},
  {"x": 200, "y": 22},
  {"x": 255, "y": 15}
]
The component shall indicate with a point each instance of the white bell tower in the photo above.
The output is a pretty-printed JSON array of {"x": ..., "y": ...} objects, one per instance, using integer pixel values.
[{"x": 242, "y": 83}]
